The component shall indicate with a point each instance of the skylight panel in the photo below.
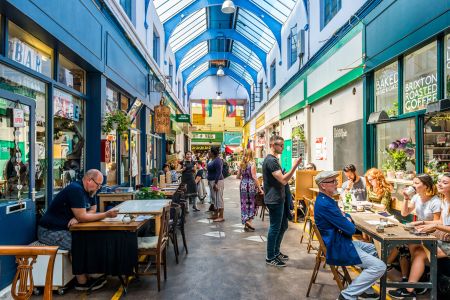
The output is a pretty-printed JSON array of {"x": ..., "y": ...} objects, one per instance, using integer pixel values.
[
  {"x": 247, "y": 55},
  {"x": 166, "y": 9},
  {"x": 197, "y": 72},
  {"x": 255, "y": 30},
  {"x": 189, "y": 29},
  {"x": 241, "y": 71},
  {"x": 193, "y": 55},
  {"x": 279, "y": 9}
]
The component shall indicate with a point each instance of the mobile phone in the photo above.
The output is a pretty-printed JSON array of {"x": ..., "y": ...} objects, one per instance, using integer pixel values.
[{"x": 384, "y": 214}]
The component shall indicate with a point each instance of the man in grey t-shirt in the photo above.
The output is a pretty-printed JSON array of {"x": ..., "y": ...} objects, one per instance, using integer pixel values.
[{"x": 355, "y": 184}]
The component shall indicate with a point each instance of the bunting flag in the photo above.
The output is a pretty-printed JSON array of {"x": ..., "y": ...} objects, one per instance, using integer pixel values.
[
  {"x": 207, "y": 107},
  {"x": 231, "y": 107}
]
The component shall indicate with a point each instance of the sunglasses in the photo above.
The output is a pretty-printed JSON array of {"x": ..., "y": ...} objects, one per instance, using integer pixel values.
[{"x": 98, "y": 184}]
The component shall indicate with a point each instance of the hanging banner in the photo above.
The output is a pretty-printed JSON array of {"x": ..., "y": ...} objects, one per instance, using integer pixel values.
[
  {"x": 162, "y": 119},
  {"x": 198, "y": 119},
  {"x": 231, "y": 107},
  {"x": 207, "y": 107}
]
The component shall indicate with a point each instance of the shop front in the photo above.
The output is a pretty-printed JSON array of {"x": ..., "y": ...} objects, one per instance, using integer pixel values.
[{"x": 260, "y": 136}]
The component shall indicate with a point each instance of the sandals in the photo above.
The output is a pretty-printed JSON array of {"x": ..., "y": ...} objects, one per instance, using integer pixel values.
[
  {"x": 219, "y": 220},
  {"x": 249, "y": 226}
]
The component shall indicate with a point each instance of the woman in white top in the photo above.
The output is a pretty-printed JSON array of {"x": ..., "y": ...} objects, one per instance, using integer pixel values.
[{"x": 419, "y": 257}]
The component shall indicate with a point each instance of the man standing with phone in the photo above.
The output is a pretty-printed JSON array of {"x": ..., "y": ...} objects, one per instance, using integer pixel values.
[{"x": 274, "y": 198}]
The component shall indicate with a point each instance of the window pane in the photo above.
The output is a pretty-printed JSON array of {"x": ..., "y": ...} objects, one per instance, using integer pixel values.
[
  {"x": 68, "y": 138},
  {"x": 71, "y": 75},
  {"x": 396, "y": 140},
  {"x": 29, "y": 51},
  {"x": 330, "y": 9},
  {"x": 420, "y": 77},
  {"x": 447, "y": 64},
  {"x": 386, "y": 89},
  {"x": 436, "y": 140}
]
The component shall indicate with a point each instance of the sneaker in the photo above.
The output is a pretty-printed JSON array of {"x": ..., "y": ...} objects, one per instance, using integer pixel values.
[
  {"x": 275, "y": 262},
  {"x": 421, "y": 291},
  {"x": 195, "y": 209},
  {"x": 402, "y": 293},
  {"x": 92, "y": 284},
  {"x": 373, "y": 296},
  {"x": 282, "y": 257}
]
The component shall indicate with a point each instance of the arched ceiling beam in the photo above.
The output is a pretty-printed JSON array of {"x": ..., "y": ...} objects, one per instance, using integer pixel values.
[
  {"x": 273, "y": 24},
  {"x": 221, "y": 34},
  {"x": 213, "y": 72},
  {"x": 220, "y": 55}
]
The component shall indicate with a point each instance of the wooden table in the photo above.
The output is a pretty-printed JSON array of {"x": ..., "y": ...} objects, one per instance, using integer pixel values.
[
  {"x": 106, "y": 248},
  {"x": 397, "y": 236},
  {"x": 112, "y": 197},
  {"x": 145, "y": 207}
]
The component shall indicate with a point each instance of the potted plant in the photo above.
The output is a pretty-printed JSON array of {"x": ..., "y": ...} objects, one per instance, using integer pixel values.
[
  {"x": 399, "y": 153},
  {"x": 298, "y": 133},
  {"x": 116, "y": 120},
  {"x": 150, "y": 193},
  {"x": 434, "y": 168}
]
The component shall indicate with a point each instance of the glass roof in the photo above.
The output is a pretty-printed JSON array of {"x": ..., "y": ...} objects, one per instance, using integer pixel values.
[
  {"x": 193, "y": 55},
  {"x": 240, "y": 71},
  {"x": 279, "y": 9},
  {"x": 245, "y": 54},
  {"x": 250, "y": 26},
  {"x": 198, "y": 71},
  {"x": 168, "y": 8},
  {"x": 190, "y": 28}
]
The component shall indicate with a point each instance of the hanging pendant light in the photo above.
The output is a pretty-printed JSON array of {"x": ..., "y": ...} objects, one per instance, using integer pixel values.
[
  {"x": 220, "y": 72},
  {"x": 228, "y": 7}
]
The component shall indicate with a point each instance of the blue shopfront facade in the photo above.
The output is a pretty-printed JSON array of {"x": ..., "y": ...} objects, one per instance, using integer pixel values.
[
  {"x": 407, "y": 66},
  {"x": 63, "y": 66}
]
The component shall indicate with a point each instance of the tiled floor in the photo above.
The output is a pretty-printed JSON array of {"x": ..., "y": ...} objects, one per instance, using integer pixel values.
[{"x": 224, "y": 262}]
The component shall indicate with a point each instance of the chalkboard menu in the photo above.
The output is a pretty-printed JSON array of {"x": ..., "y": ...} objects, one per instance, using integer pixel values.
[{"x": 346, "y": 148}]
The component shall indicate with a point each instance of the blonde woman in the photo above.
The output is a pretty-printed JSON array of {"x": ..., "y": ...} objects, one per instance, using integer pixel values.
[
  {"x": 442, "y": 226},
  {"x": 249, "y": 187},
  {"x": 378, "y": 190}
]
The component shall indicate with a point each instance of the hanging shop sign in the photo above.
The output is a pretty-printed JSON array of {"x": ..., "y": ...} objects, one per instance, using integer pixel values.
[
  {"x": 162, "y": 118},
  {"x": 419, "y": 92},
  {"x": 64, "y": 106},
  {"x": 183, "y": 118},
  {"x": 232, "y": 138},
  {"x": 200, "y": 147},
  {"x": 18, "y": 117},
  {"x": 202, "y": 137}
]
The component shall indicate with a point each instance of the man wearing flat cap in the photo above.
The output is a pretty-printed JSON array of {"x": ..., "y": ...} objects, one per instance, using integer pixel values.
[{"x": 337, "y": 229}]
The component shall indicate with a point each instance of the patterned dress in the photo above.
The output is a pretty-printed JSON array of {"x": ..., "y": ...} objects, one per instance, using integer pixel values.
[{"x": 248, "y": 190}]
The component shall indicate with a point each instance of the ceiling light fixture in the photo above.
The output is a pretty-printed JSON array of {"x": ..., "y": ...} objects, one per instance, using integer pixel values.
[
  {"x": 228, "y": 7},
  {"x": 220, "y": 72}
]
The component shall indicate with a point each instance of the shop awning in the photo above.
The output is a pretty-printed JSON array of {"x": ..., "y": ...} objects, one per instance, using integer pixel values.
[{"x": 232, "y": 149}]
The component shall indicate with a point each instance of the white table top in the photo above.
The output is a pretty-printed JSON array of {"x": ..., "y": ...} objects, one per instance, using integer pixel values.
[{"x": 143, "y": 206}]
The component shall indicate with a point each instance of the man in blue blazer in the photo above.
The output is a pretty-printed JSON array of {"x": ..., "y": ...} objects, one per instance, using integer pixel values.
[{"x": 337, "y": 229}]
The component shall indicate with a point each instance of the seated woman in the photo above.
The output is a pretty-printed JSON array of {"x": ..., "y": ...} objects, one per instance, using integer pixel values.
[
  {"x": 439, "y": 228},
  {"x": 378, "y": 190},
  {"x": 427, "y": 207}
]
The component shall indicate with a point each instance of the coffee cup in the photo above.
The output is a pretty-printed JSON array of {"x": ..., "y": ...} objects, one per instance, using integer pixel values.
[
  {"x": 409, "y": 227},
  {"x": 359, "y": 208},
  {"x": 409, "y": 191},
  {"x": 380, "y": 228}
]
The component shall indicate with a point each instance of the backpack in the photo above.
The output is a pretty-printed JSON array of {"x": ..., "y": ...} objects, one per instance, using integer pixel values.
[{"x": 225, "y": 169}]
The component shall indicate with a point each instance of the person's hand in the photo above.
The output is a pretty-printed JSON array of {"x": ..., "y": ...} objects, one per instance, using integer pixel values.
[
  {"x": 428, "y": 228},
  {"x": 350, "y": 184},
  {"x": 215, "y": 187},
  {"x": 405, "y": 196},
  {"x": 112, "y": 213},
  {"x": 261, "y": 191},
  {"x": 298, "y": 162},
  {"x": 72, "y": 221},
  {"x": 417, "y": 223}
]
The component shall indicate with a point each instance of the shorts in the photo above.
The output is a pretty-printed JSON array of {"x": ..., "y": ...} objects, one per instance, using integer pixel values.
[{"x": 61, "y": 238}]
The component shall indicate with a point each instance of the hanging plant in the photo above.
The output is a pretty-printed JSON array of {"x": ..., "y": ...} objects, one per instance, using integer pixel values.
[
  {"x": 116, "y": 120},
  {"x": 298, "y": 133}
]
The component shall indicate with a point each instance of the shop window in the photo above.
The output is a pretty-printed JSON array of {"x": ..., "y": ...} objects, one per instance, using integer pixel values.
[
  {"x": 386, "y": 89},
  {"x": 68, "y": 138},
  {"x": 420, "y": 78},
  {"x": 156, "y": 42},
  {"x": 124, "y": 158},
  {"x": 329, "y": 8},
  {"x": 437, "y": 144},
  {"x": 71, "y": 75},
  {"x": 29, "y": 51},
  {"x": 447, "y": 65},
  {"x": 292, "y": 46},
  {"x": 396, "y": 145},
  {"x": 14, "y": 152}
]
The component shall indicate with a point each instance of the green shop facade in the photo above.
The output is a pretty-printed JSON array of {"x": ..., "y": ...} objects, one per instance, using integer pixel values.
[{"x": 406, "y": 88}]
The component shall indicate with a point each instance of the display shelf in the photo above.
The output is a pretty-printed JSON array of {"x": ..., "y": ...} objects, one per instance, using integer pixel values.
[
  {"x": 437, "y": 132},
  {"x": 436, "y": 147}
]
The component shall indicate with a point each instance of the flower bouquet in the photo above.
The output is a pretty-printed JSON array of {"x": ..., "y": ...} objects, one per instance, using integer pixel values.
[
  {"x": 399, "y": 152},
  {"x": 150, "y": 193}
]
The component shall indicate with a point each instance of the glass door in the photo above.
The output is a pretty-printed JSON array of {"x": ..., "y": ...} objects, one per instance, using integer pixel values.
[{"x": 16, "y": 151}]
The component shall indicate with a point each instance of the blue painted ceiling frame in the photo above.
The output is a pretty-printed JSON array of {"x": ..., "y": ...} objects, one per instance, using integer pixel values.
[
  {"x": 212, "y": 72},
  {"x": 220, "y": 55},
  {"x": 273, "y": 24},
  {"x": 211, "y": 34}
]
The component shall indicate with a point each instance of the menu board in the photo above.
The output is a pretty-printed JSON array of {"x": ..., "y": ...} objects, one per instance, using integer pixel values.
[{"x": 162, "y": 119}]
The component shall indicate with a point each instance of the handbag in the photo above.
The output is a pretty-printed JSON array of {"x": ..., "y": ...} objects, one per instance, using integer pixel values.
[
  {"x": 259, "y": 199},
  {"x": 442, "y": 235}
]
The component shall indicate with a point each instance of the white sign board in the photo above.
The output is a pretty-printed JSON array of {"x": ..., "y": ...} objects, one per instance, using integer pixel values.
[{"x": 18, "y": 117}]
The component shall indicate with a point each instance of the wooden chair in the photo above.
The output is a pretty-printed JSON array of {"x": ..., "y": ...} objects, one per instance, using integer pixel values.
[
  {"x": 22, "y": 284},
  {"x": 342, "y": 277},
  {"x": 309, "y": 217},
  {"x": 155, "y": 246},
  {"x": 175, "y": 212}
]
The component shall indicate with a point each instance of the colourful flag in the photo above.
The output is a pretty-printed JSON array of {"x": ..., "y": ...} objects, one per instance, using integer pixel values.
[
  {"x": 207, "y": 107},
  {"x": 231, "y": 107}
]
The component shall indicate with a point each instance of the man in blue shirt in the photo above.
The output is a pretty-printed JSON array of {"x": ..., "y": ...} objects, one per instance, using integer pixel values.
[
  {"x": 75, "y": 203},
  {"x": 337, "y": 229}
]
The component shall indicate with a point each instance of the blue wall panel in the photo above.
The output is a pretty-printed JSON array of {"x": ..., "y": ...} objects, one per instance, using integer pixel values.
[
  {"x": 396, "y": 26},
  {"x": 124, "y": 66}
]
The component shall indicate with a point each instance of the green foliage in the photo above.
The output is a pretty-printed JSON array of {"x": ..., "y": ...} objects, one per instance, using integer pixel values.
[
  {"x": 116, "y": 118},
  {"x": 298, "y": 133},
  {"x": 150, "y": 193},
  {"x": 393, "y": 111},
  {"x": 434, "y": 168}
]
